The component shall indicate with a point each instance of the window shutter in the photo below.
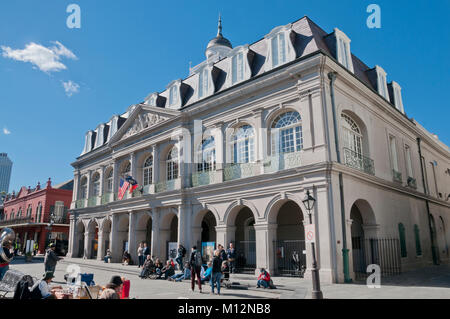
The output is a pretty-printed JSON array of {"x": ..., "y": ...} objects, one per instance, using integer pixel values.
[{"x": 401, "y": 230}]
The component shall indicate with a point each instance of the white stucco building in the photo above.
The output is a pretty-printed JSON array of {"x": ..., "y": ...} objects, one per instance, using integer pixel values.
[{"x": 292, "y": 112}]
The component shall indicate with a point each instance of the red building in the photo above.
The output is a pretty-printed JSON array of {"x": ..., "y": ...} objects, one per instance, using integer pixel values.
[{"x": 39, "y": 215}]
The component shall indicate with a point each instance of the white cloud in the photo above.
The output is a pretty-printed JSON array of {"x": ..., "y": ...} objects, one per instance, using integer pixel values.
[
  {"x": 46, "y": 59},
  {"x": 71, "y": 88},
  {"x": 6, "y": 131}
]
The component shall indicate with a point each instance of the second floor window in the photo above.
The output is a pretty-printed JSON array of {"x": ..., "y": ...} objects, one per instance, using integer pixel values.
[
  {"x": 172, "y": 164},
  {"x": 287, "y": 133},
  {"x": 83, "y": 188},
  {"x": 408, "y": 161},
  {"x": 243, "y": 145},
  {"x": 351, "y": 135},
  {"x": 109, "y": 181},
  {"x": 148, "y": 171},
  {"x": 393, "y": 153},
  {"x": 96, "y": 185},
  {"x": 206, "y": 155}
]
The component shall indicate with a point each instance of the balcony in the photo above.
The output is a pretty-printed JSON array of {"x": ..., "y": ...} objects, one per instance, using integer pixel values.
[
  {"x": 166, "y": 186},
  {"x": 107, "y": 198},
  {"x": 282, "y": 161},
  {"x": 81, "y": 203},
  {"x": 94, "y": 201},
  {"x": 412, "y": 182},
  {"x": 355, "y": 160},
  {"x": 16, "y": 221},
  {"x": 397, "y": 176},
  {"x": 204, "y": 178},
  {"x": 240, "y": 170}
]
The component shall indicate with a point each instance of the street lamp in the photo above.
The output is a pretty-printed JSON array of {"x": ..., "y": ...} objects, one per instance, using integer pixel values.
[{"x": 309, "y": 202}]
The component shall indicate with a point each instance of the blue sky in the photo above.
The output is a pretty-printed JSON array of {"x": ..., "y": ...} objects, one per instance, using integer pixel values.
[{"x": 127, "y": 49}]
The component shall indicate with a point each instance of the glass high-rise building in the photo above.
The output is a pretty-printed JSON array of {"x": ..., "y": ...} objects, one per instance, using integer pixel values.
[{"x": 5, "y": 172}]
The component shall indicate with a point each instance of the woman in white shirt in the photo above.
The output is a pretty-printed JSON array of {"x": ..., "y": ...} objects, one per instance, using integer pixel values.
[
  {"x": 140, "y": 253},
  {"x": 43, "y": 286}
]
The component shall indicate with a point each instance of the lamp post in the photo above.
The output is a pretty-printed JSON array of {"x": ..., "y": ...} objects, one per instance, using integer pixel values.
[{"x": 309, "y": 202}]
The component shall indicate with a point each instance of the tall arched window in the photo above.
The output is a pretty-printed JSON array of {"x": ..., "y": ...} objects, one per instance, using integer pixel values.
[
  {"x": 286, "y": 133},
  {"x": 401, "y": 231},
  {"x": 417, "y": 238},
  {"x": 148, "y": 171},
  {"x": 351, "y": 135},
  {"x": 126, "y": 169},
  {"x": 19, "y": 213},
  {"x": 83, "y": 188},
  {"x": 206, "y": 155},
  {"x": 243, "y": 144},
  {"x": 172, "y": 164},
  {"x": 38, "y": 212},
  {"x": 12, "y": 214},
  {"x": 96, "y": 184},
  {"x": 109, "y": 181}
]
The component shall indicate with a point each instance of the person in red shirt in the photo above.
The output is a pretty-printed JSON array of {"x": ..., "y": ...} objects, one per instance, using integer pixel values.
[{"x": 263, "y": 279}]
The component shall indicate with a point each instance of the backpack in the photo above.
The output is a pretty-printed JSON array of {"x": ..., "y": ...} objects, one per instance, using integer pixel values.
[
  {"x": 198, "y": 259},
  {"x": 183, "y": 251},
  {"x": 22, "y": 291}
]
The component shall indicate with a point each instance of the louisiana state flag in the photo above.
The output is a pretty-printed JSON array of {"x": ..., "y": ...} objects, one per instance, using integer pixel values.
[{"x": 134, "y": 184}]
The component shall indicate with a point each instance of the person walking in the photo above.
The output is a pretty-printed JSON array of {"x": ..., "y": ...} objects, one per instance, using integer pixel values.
[
  {"x": 196, "y": 263},
  {"x": 216, "y": 274},
  {"x": 231, "y": 255},
  {"x": 51, "y": 259},
  {"x": 222, "y": 252},
  {"x": 180, "y": 255},
  {"x": 140, "y": 252}
]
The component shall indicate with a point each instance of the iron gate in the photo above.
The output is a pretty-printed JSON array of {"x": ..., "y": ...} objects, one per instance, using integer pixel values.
[
  {"x": 384, "y": 252},
  {"x": 290, "y": 259},
  {"x": 246, "y": 256}
]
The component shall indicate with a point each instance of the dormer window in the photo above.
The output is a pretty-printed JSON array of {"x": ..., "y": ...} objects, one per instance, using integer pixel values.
[
  {"x": 203, "y": 83},
  {"x": 381, "y": 82},
  {"x": 88, "y": 142},
  {"x": 278, "y": 50},
  {"x": 239, "y": 67},
  {"x": 173, "y": 96},
  {"x": 100, "y": 135},
  {"x": 281, "y": 49},
  {"x": 343, "y": 53},
  {"x": 397, "y": 93},
  {"x": 151, "y": 99}
]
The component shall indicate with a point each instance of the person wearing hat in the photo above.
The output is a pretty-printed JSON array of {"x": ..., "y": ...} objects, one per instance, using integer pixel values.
[
  {"x": 50, "y": 258},
  {"x": 41, "y": 289},
  {"x": 113, "y": 288}
]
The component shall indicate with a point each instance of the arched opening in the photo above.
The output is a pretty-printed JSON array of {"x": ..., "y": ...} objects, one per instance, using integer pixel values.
[
  {"x": 92, "y": 240},
  {"x": 434, "y": 238},
  {"x": 443, "y": 237},
  {"x": 245, "y": 241},
  {"x": 290, "y": 240},
  {"x": 122, "y": 233},
  {"x": 208, "y": 236},
  {"x": 80, "y": 239},
  {"x": 169, "y": 236},
  {"x": 106, "y": 229},
  {"x": 144, "y": 230}
]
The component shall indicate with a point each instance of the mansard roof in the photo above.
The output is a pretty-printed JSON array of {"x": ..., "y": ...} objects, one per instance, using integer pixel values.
[{"x": 306, "y": 38}]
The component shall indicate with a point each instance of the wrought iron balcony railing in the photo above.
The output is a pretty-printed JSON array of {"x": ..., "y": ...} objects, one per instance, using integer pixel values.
[
  {"x": 282, "y": 161},
  {"x": 108, "y": 198},
  {"x": 81, "y": 203},
  {"x": 165, "y": 186},
  {"x": 412, "y": 182},
  {"x": 93, "y": 201},
  {"x": 16, "y": 221},
  {"x": 356, "y": 160},
  {"x": 240, "y": 170},
  {"x": 397, "y": 176},
  {"x": 204, "y": 178}
]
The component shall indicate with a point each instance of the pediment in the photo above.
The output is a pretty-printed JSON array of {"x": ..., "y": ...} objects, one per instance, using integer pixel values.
[{"x": 143, "y": 117}]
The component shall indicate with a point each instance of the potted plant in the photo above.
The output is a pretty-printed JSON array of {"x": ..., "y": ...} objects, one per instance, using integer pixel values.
[{"x": 29, "y": 257}]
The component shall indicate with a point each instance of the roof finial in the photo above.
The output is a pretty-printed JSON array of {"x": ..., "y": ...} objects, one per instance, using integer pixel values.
[{"x": 219, "y": 29}]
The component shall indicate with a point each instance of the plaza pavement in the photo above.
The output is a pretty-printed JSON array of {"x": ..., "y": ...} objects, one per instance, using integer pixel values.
[{"x": 432, "y": 282}]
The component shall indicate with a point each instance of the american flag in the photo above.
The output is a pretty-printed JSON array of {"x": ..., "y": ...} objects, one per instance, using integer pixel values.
[{"x": 123, "y": 188}]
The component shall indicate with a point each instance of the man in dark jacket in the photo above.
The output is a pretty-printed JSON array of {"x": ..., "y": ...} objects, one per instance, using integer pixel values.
[
  {"x": 51, "y": 259},
  {"x": 195, "y": 261},
  {"x": 222, "y": 252},
  {"x": 180, "y": 255},
  {"x": 231, "y": 255}
]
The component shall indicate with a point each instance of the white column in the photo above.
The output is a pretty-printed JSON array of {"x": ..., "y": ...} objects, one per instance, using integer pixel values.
[
  {"x": 76, "y": 183},
  {"x": 114, "y": 245},
  {"x": 70, "y": 253},
  {"x": 184, "y": 213},
  {"x": 115, "y": 178},
  {"x": 87, "y": 245},
  {"x": 155, "y": 243},
  {"x": 132, "y": 245},
  {"x": 133, "y": 164},
  {"x": 102, "y": 182},
  {"x": 265, "y": 235},
  {"x": 155, "y": 172},
  {"x": 101, "y": 245},
  {"x": 225, "y": 234},
  {"x": 220, "y": 152}
]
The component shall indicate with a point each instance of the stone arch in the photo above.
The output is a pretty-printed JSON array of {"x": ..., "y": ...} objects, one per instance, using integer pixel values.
[
  {"x": 144, "y": 228},
  {"x": 168, "y": 230},
  {"x": 272, "y": 208},
  {"x": 91, "y": 246},
  {"x": 234, "y": 208}
]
